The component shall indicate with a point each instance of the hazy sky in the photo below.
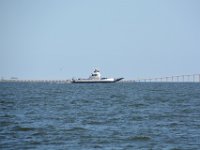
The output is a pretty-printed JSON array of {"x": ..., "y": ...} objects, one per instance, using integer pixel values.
[{"x": 61, "y": 39}]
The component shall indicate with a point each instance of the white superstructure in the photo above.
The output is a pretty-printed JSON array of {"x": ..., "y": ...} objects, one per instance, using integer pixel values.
[{"x": 95, "y": 75}]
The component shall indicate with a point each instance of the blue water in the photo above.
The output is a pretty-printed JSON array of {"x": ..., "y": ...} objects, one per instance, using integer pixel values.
[{"x": 100, "y": 116}]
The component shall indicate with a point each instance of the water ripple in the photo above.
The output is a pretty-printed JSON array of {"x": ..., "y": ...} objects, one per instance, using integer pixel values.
[{"x": 99, "y": 116}]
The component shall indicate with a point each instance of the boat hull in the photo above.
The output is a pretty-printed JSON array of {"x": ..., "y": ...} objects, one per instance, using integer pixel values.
[{"x": 97, "y": 81}]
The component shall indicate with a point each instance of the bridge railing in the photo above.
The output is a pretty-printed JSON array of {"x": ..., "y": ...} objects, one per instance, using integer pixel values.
[{"x": 176, "y": 78}]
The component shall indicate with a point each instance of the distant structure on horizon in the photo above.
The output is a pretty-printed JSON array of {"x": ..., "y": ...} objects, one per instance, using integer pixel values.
[
  {"x": 179, "y": 78},
  {"x": 170, "y": 79}
]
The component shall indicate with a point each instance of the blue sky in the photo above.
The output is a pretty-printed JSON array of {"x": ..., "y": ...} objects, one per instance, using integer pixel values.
[{"x": 60, "y": 39}]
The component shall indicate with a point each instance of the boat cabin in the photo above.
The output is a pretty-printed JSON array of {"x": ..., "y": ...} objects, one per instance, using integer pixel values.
[{"x": 95, "y": 75}]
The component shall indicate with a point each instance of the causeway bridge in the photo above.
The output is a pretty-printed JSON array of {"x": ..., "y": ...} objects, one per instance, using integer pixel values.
[
  {"x": 35, "y": 81},
  {"x": 175, "y": 78}
]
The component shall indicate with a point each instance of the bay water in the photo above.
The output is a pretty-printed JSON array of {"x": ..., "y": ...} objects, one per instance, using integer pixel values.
[{"x": 119, "y": 116}]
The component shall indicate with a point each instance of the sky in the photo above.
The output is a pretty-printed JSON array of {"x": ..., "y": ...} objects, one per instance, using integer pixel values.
[{"x": 61, "y": 39}]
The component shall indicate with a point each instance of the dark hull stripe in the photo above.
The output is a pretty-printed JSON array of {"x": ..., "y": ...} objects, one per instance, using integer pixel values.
[{"x": 116, "y": 80}]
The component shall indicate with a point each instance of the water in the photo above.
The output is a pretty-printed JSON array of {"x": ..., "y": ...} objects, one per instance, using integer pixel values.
[{"x": 100, "y": 116}]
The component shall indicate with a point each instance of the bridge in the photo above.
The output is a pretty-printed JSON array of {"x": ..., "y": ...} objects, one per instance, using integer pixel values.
[
  {"x": 175, "y": 78},
  {"x": 35, "y": 81}
]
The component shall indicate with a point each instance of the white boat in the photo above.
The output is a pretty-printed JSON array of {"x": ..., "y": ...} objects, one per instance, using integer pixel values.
[{"x": 96, "y": 78}]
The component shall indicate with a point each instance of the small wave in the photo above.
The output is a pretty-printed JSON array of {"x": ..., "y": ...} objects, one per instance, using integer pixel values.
[
  {"x": 137, "y": 105},
  {"x": 34, "y": 142},
  {"x": 121, "y": 97},
  {"x": 137, "y": 118},
  {"x": 6, "y": 103},
  {"x": 176, "y": 149},
  {"x": 94, "y": 122},
  {"x": 187, "y": 110},
  {"x": 18, "y": 128},
  {"x": 38, "y": 133},
  {"x": 139, "y": 138},
  {"x": 8, "y": 116},
  {"x": 98, "y": 147},
  {"x": 173, "y": 124},
  {"x": 5, "y": 123},
  {"x": 77, "y": 129}
]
